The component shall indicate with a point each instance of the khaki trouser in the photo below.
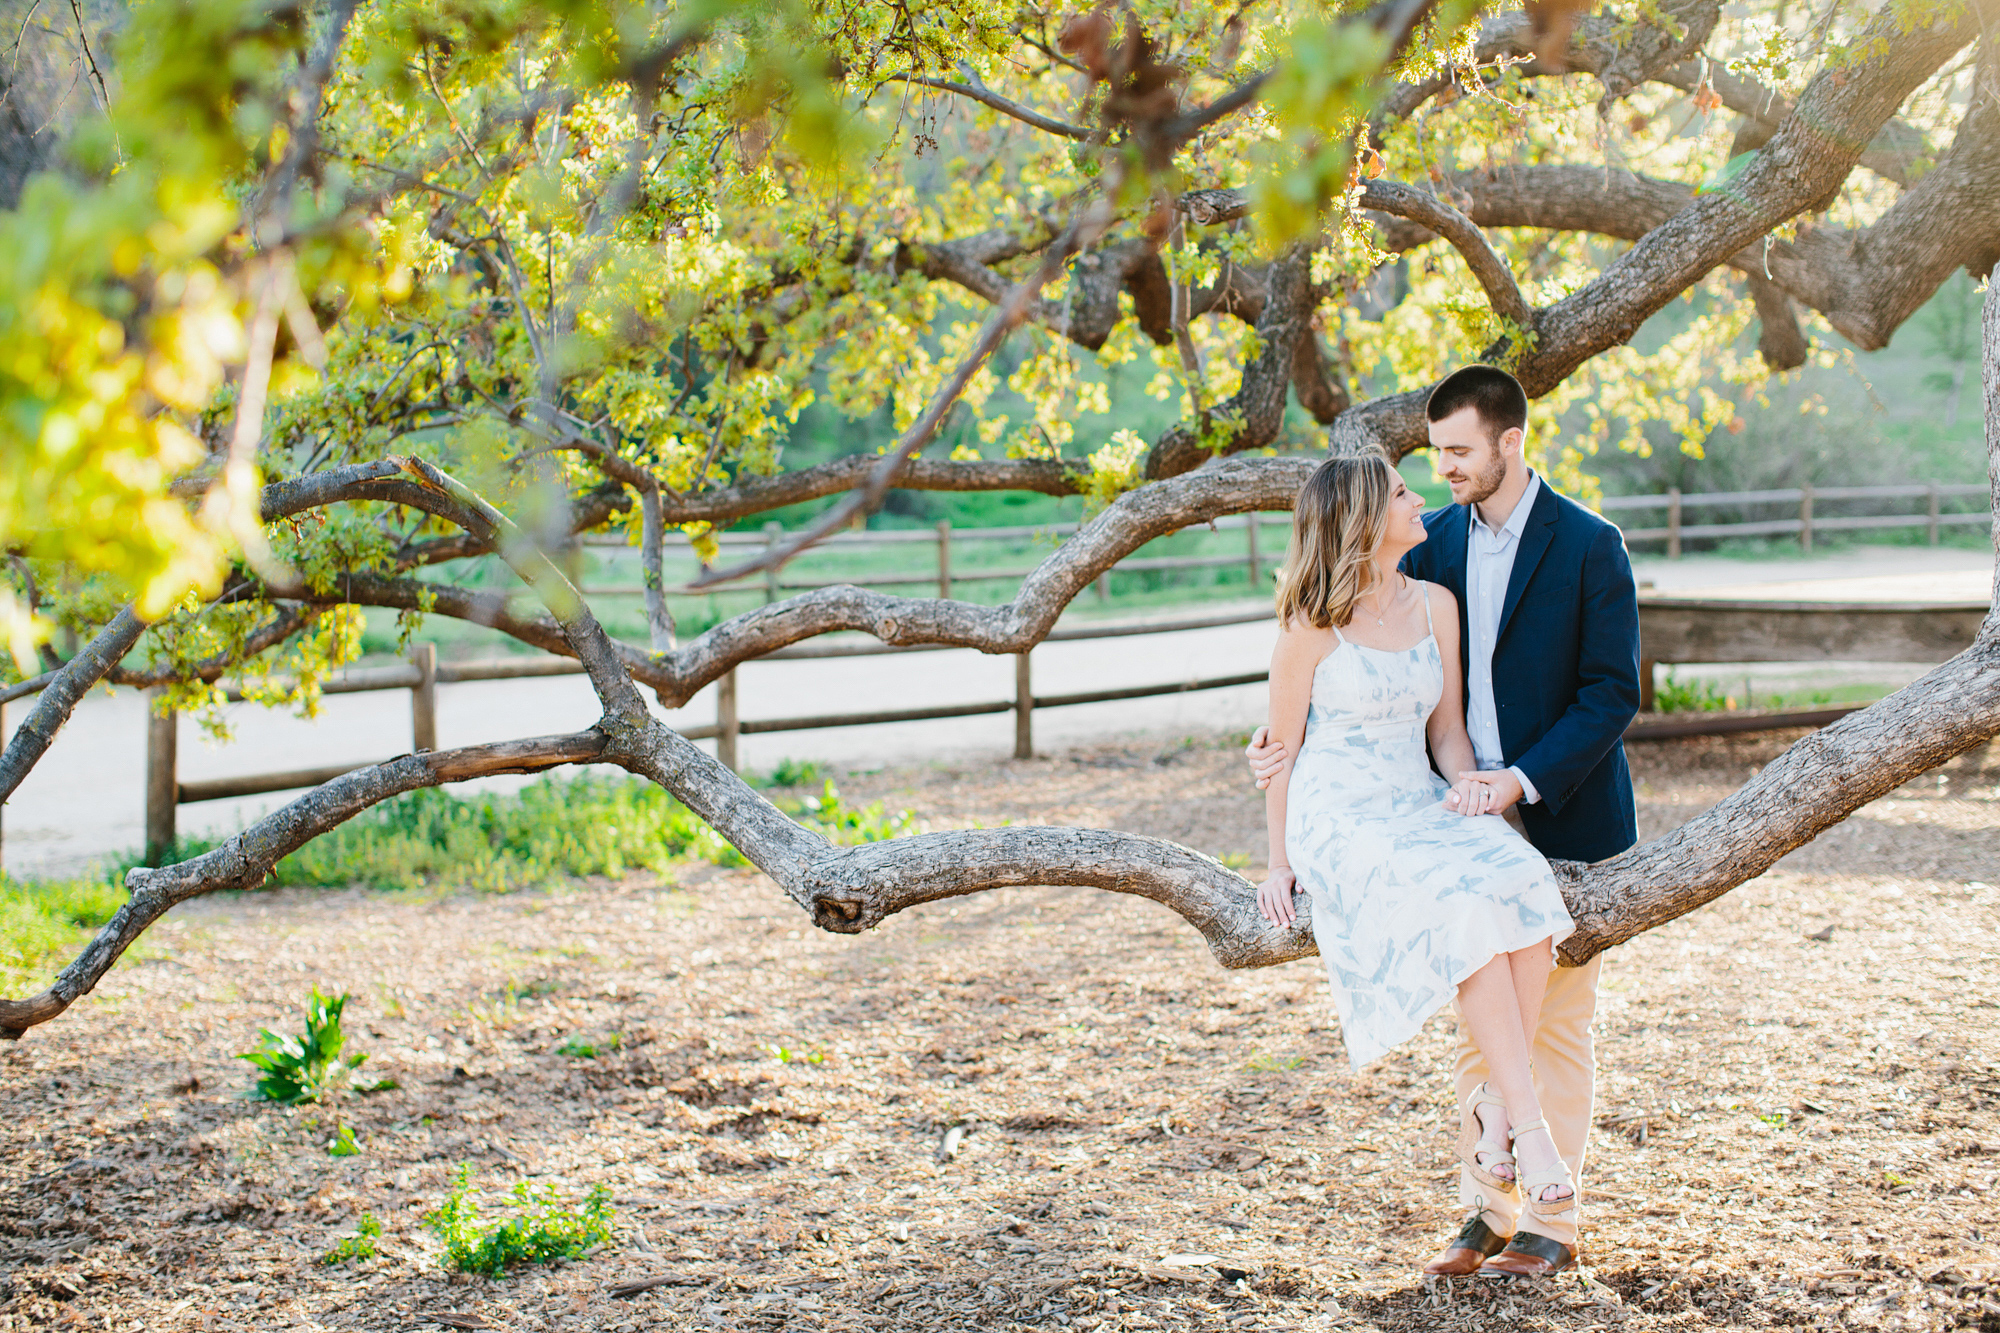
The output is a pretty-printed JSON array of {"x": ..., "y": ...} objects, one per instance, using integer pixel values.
[{"x": 1565, "y": 1071}]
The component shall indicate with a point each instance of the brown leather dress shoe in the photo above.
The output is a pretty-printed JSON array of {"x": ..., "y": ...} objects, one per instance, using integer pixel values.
[
  {"x": 1473, "y": 1243},
  {"x": 1529, "y": 1255}
]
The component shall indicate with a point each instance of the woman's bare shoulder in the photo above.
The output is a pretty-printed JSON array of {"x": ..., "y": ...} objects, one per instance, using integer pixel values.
[
  {"x": 1441, "y": 598},
  {"x": 1299, "y": 635}
]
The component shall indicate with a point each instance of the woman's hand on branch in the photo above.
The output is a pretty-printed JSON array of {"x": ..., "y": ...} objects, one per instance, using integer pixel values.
[{"x": 1274, "y": 897}]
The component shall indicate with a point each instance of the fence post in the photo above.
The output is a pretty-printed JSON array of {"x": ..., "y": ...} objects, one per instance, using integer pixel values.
[
  {"x": 1255, "y": 573},
  {"x": 772, "y": 532},
  {"x": 944, "y": 558},
  {"x": 162, "y": 779},
  {"x": 1673, "y": 523},
  {"x": 1646, "y": 665},
  {"x": 1934, "y": 514},
  {"x": 1805, "y": 516},
  {"x": 1103, "y": 586},
  {"x": 424, "y": 699},
  {"x": 725, "y": 720},
  {"x": 1024, "y": 709}
]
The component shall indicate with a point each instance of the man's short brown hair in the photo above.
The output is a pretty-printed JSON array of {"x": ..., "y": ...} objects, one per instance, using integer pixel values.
[{"x": 1498, "y": 397}]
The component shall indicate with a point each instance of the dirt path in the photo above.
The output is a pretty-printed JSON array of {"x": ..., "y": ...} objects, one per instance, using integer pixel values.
[{"x": 1797, "y": 1127}]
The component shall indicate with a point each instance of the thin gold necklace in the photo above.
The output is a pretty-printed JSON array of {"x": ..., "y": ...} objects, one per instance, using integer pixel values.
[{"x": 1399, "y": 592}]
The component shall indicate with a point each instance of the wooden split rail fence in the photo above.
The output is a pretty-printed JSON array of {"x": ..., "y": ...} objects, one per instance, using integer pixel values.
[
  {"x": 1807, "y": 521},
  {"x": 1672, "y": 630},
  {"x": 423, "y": 674}
]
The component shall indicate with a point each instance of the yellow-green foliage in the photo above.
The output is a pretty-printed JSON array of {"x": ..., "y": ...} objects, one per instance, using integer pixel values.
[{"x": 495, "y": 216}]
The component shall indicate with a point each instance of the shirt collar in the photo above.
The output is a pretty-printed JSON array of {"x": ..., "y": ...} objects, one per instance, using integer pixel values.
[{"x": 1517, "y": 522}]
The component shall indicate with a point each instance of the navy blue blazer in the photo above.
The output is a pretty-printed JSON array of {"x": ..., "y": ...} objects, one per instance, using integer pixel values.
[{"x": 1565, "y": 667}]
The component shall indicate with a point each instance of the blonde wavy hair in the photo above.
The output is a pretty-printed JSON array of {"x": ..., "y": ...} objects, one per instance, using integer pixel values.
[{"x": 1337, "y": 526}]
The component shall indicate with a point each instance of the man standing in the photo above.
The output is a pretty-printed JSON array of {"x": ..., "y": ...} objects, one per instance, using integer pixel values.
[{"x": 1549, "y": 636}]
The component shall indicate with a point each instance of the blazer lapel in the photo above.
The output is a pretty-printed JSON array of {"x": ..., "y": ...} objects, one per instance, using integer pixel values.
[
  {"x": 1450, "y": 532},
  {"x": 1535, "y": 539}
]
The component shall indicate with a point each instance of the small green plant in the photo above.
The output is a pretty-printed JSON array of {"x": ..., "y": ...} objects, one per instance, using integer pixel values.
[
  {"x": 1234, "y": 860},
  {"x": 542, "y": 1230},
  {"x": 1776, "y": 1119},
  {"x": 576, "y": 1048},
  {"x": 360, "y": 1245},
  {"x": 304, "y": 1069},
  {"x": 343, "y": 1143},
  {"x": 1693, "y": 696},
  {"x": 1267, "y": 1064},
  {"x": 786, "y": 1056}
]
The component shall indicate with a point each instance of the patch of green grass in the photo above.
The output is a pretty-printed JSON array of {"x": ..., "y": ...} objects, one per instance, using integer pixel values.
[
  {"x": 360, "y": 1245},
  {"x": 343, "y": 1144},
  {"x": 43, "y": 922},
  {"x": 550, "y": 829},
  {"x": 542, "y": 1230}
]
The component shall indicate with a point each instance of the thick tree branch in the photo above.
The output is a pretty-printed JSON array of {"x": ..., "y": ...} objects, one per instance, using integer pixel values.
[
  {"x": 60, "y": 697},
  {"x": 1809, "y": 155},
  {"x": 1503, "y": 293},
  {"x": 1255, "y": 413}
]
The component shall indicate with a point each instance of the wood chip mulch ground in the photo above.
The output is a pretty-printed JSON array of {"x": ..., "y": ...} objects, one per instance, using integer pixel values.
[{"x": 1033, "y": 1109}]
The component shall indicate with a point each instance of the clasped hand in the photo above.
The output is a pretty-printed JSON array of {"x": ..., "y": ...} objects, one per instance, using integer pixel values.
[
  {"x": 1476, "y": 792},
  {"x": 1483, "y": 793}
]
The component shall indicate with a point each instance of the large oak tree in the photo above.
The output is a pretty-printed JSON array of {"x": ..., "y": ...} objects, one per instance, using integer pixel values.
[{"x": 310, "y": 304}]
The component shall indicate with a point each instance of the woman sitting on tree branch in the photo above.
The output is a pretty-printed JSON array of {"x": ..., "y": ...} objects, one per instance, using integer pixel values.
[{"x": 1419, "y": 893}]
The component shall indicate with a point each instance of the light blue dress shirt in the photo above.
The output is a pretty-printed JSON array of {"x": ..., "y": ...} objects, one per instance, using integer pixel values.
[{"x": 1489, "y": 563}]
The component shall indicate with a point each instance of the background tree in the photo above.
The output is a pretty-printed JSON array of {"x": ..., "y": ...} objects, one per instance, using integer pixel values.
[{"x": 316, "y": 303}]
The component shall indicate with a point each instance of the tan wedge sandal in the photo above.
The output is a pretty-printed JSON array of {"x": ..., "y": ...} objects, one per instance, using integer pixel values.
[
  {"x": 1472, "y": 1141},
  {"x": 1534, "y": 1182}
]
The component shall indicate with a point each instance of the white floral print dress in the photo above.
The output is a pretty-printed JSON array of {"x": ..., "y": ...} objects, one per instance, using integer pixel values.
[{"x": 1408, "y": 898}]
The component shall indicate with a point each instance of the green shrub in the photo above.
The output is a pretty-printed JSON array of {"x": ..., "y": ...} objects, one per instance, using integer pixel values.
[
  {"x": 542, "y": 1230},
  {"x": 304, "y": 1069}
]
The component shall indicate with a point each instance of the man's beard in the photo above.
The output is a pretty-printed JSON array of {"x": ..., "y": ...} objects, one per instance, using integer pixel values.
[{"x": 1484, "y": 484}]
